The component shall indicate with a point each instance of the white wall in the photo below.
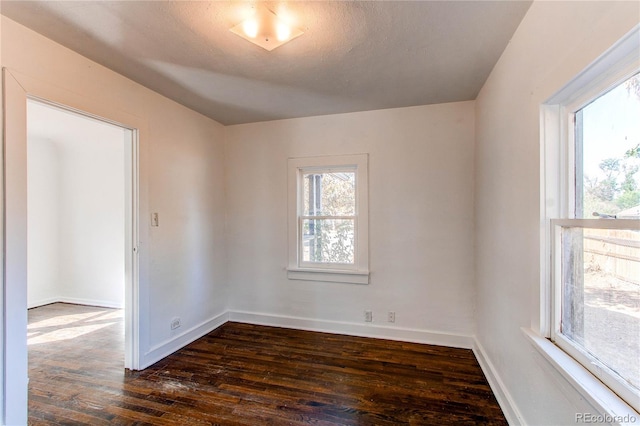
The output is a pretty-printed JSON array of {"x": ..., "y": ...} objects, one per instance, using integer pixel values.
[
  {"x": 421, "y": 201},
  {"x": 420, "y": 214},
  {"x": 43, "y": 222},
  {"x": 182, "y": 268},
  {"x": 554, "y": 42},
  {"x": 91, "y": 218},
  {"x": 76, "y": 208}
]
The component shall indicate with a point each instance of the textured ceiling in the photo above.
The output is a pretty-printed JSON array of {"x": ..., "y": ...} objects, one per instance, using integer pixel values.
[{"x": 354, "y": 56}]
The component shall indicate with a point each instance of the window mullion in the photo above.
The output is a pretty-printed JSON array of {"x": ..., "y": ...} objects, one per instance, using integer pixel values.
[
  {"x": 328, "y": 217},
  {"x": 578, "y": 165}
]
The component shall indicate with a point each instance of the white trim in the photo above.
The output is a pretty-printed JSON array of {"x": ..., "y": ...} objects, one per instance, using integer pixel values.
[
  {"x": 15, "y": 403},
  {"x": 169, "y": 346},
  {"x": 551, "y": 185},
  {"x": 603, "y": 73},
  {"x": 76, "y": 301},
  {"x": 500, "y": 390},
  {"x": 43, "y": 302},
  {"x": 136, "y": 281},
  {"x": 600, "y": 370},
  {"x": 428, "y": 337},
  {"x": 557, "y": 167},
  {"x": 132, "y": 309},
  {"x": 299, "y": 270},
  {"x": 329, "y": 275},
  {"x": 615, "y": 65},
  {"x": 632, "y": 224},
  {"x": 412, "y": 335},
  {"x": 598, "y": 395},
  {"x": 14, "y": 312}
]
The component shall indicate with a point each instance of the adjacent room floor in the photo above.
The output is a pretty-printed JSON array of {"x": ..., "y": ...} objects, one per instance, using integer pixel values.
[{"x": 246, "y": 374}]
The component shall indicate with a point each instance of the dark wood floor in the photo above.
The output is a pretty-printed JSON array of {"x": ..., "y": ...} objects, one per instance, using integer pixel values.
[{"x": 249, "y": 375}]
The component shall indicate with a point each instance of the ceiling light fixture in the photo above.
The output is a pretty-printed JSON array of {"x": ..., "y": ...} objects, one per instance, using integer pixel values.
[{"x": 266, "y": 30}]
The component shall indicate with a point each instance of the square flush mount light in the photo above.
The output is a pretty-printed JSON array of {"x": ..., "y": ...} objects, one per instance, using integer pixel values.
[{"x": 266, "y": 30}]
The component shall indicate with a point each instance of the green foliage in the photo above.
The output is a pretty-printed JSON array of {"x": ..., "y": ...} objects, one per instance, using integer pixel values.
[
  {"x": 628, "y": 200},
  {"x": 629, "y": 183},
  {"x": 330, "y": 240},
  {"x": 633, "y": 85},
  {"x": 618, "y": 190}
]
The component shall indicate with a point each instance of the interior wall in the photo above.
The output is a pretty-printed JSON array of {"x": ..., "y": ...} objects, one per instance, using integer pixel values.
[
  {"x": 43, "y": 223},
  {"x": 420, "y": 215},
  {"x": 421, "y": 200},
  {"x": 76, "y": 209},
  {"x": 91, "y": 218},
  {"x": 554, "y": 42},
  {"x": 181, "y": 262}
]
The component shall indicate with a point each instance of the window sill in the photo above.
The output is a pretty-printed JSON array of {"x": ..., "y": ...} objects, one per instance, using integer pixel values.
[
  {"x": 586, "y": 384},
  {"x": 335, "y": 276}
]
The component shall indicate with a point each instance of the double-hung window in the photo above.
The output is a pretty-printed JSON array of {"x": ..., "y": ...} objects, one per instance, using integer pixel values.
[
  {"x": 592, "y": 204},
  {"x": 328, "y": 220}
]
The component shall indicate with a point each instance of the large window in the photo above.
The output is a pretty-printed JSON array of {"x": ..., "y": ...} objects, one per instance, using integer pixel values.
[
  {"x": 594, "y": 303},
  {"x": 328, "y": 219},
  {"x": 607, "y": 159}
]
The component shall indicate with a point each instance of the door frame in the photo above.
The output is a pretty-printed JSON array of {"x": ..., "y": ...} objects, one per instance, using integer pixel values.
[{"x": 17, "y": 89}]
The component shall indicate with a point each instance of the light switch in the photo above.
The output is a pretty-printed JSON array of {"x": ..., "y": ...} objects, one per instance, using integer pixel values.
[{"x": 154, "y": 219}]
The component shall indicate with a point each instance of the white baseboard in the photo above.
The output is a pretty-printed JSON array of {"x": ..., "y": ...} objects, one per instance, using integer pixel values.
[
  {"x": 506, "y": 402},
  {"x": 92, "y": 302},
  {"x": 76, "y": 301},
  {"x": 354, "y": 329},
  {"x": 43, "y": 302},
  {"x": 169, "y": 346}
]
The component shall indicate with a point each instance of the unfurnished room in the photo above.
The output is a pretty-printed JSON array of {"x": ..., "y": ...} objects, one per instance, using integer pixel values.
[{"x": 320, "y": 212}]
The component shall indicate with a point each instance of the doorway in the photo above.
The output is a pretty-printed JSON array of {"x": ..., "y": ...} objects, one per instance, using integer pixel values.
[
  {"x": 75, "y": 209},
  {"x": 18, "y": 90},
  {"x": 75, "y": 249}
]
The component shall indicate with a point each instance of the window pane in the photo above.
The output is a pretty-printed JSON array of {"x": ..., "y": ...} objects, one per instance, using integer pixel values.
[
  {"x": 601, "y": 296},
  {"x": 329, "y": 194},
  {"x": 328, "y": 240},
  {"x": 608, "y": 153}
]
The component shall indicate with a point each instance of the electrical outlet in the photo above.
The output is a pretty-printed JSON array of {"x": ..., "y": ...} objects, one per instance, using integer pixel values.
[
  {"x": 368, "y": 316},
  {"x": 175, "y": 323},
  {"x": 391, "y": 317}
]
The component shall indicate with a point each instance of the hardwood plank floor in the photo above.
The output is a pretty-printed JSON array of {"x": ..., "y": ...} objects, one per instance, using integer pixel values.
[{"x": 244, "y": 374}]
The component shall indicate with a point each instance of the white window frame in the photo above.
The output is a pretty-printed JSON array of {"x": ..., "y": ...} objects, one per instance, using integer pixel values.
[
  {"x": 595, "y": 367},
  {"x": 356, "y": 273},
  {"x": 558, "y": 172}
]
